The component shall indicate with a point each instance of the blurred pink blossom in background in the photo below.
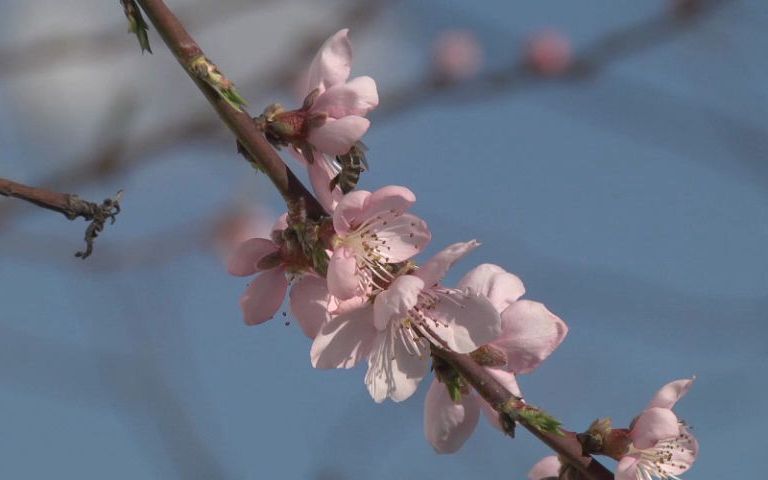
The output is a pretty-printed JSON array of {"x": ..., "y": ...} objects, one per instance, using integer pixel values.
[
  {"x": 548, "y": 52},
  {"x": 457, "y": 55}
]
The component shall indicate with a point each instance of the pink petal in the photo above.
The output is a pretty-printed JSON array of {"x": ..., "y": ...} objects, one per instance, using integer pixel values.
[
  {"x": 627, "y": 468},
  {"x": 447, "y": 425},
  {"x": 509, "y": 382},
  {"x": 670, "y": 393},
  {"x": 547, "y": 467},
  {"x": 336, "y": 137},
  {"x": 348, "y": 213},
  {"x": 338, "y": 307},
  {"x": 395, "y": 302},
  {"x": 393, "y": 371},
  {"x": 345, "y": 340},
  {"x": 332, "y": 63},
  {"x": 684, "y": 456},
  {"x": 493, "y": 282},
  {"x": 246, "y": 258},
  {"x": 666, "y": 459},
  {"x": 309, "y": 303},
  {"x": 356, "y": 97},
  {"x": 343, "y": 278},
  {"x": 653, "y": 425},
  {"x": 529, "y": 334},
  {"x": 393, "y": 199},
  {"x": 468, "y": 321},
  {"x": 320, "y": 174},
  {"x": 436, "y": 267},
  {"x": 507, "y": 379},
  {"x": 405, "y": 237},
  {"x": 264, "y": 296}
]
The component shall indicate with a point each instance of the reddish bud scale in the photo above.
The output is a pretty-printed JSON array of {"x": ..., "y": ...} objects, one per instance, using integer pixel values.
[
  {"x": 616, "y": 443},
  {"x": 293, "y": 125}
]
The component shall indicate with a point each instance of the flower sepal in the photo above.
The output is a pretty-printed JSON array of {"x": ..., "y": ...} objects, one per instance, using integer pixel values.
[{"x": 602, "y": 439}]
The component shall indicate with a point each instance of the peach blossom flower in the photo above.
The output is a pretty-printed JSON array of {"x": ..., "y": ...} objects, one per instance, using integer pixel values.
[
  {"x": 549, "y": 52},
  {"x": 275, "y": 264},
  {"x": 394, "y": 332},
  {"x": 372, "y": 231},
  {"x": 457, "y": 55},
  {"x": 332, "y": 118},
  {"x": 662, "y": 446},
  {"x": 529, "y": 334}
]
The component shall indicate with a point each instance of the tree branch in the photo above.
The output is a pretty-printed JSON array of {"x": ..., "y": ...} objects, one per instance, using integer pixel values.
[
  {"x": 504, "y": 402},
  {"x": 187, "y": 52},
  {"x": 116, "y": 157},
  {"x": 69, "y": 205}
]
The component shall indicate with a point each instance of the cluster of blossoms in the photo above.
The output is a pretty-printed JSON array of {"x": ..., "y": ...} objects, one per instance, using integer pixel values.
[{"x": 358, "y": 295}]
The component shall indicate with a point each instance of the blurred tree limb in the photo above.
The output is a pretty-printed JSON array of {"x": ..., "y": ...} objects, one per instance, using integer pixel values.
[{"x": 69, "y": 205}]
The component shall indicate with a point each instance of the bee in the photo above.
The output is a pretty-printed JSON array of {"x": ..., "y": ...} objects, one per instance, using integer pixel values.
[{"x": 353, "y": 163}]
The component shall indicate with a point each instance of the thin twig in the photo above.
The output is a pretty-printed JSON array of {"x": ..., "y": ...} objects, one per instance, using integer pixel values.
[{"x": 69, "y": 205}]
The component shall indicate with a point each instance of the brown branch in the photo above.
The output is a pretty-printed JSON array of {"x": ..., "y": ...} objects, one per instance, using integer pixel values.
[
  {"x": 69, "y": 205},
  {"x": 504, "y": 402},
  {"x": 115, "y": 156},
  {"x": 187, "y": 51}
]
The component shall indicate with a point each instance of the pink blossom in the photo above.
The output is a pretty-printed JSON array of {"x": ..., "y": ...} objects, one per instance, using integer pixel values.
[
  {"x": 372, "y": 231},
  {"x": 394, "y": 332},
  {"x": 274, "y": 264},
  {"x": 343, "y": 104},
  {"x": 529, "y": 334},
  {"x": 457, "y": 55},
  {"x": 545, "y": 469},
  {"x": 549, "y": 52},
  {"x": 662, "y": 446}
]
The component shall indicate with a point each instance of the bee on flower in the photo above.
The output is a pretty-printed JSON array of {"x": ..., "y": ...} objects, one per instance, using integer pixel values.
[{"x": 331, "y": 120}]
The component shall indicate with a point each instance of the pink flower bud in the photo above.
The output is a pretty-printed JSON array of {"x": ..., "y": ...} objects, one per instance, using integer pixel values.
[
  {"x": 457, "y": 55},
  {"x": 549, "y": 53}
]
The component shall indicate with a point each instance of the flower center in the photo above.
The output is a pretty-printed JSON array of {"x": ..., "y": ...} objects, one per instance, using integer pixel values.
[
  {"x": 368, "y": 241},
  {"x": 420, "y": 325},
  {"x": 661, "y": 461}
]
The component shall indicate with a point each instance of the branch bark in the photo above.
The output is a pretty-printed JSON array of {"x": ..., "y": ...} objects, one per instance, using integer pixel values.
[
  {"x": 69, "y": 205},
  {"x": 567, "y": 446},
  {"x": 186, "y": 51}
]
